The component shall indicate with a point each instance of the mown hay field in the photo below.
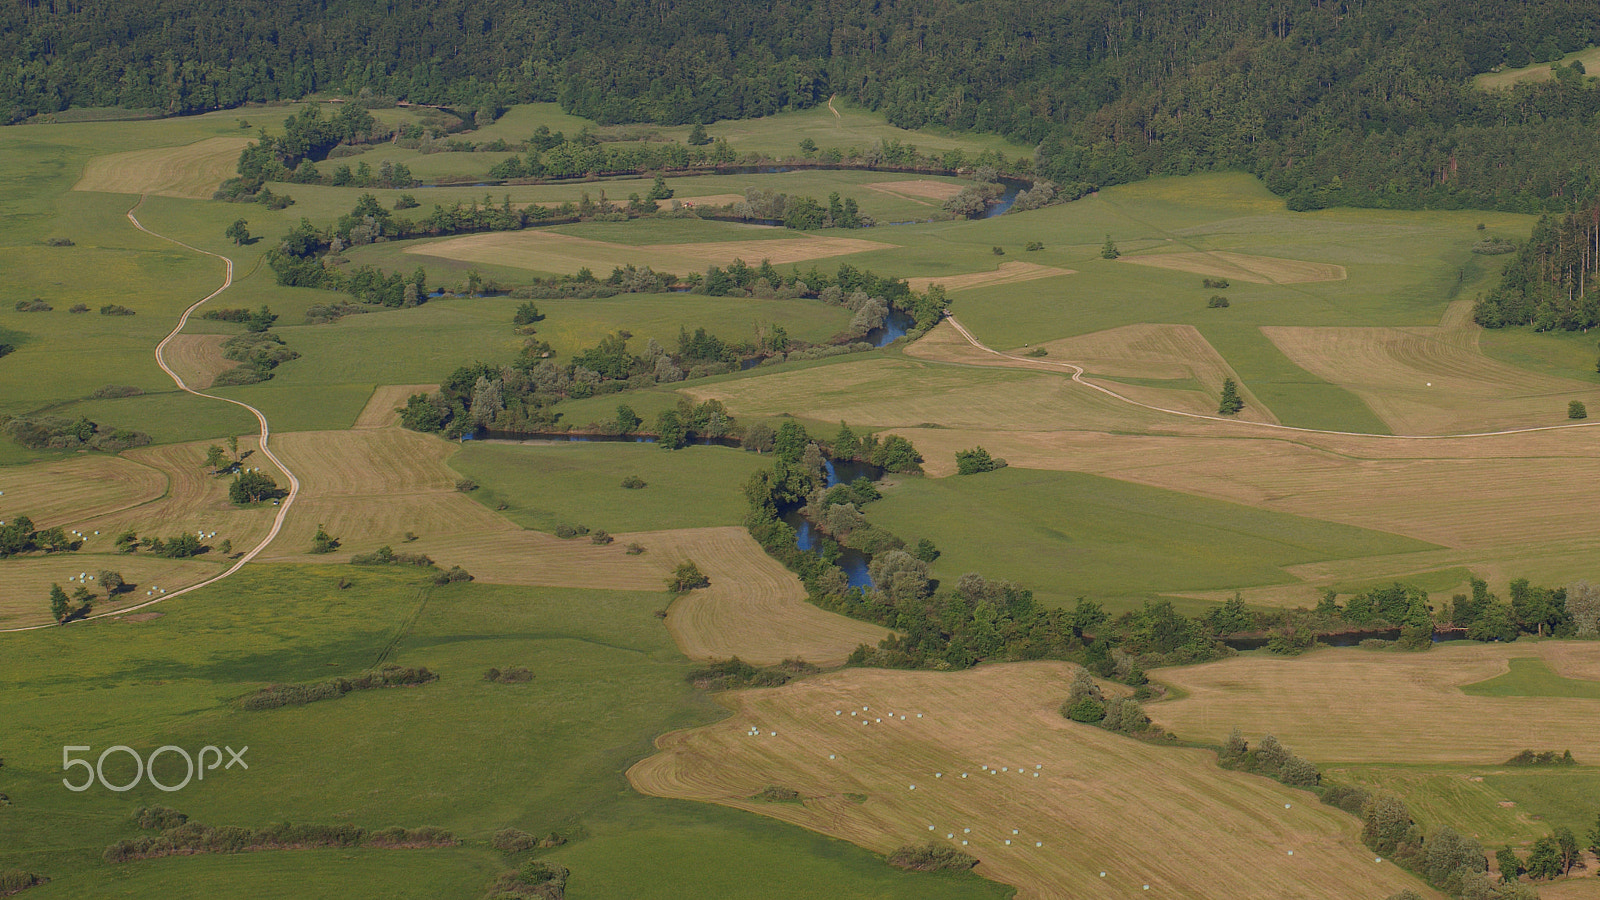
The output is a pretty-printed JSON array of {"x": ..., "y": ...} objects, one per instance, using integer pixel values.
[
  {"x": 549, "y": 251},
  {"x": 383, "y": 410},
  {"x": 754, "y": 609},
  {"x": 193, "y": 171},
  {"x": 25, "y": 599},
  {"x": 1175, "y": 812},
  {"x": 198, "y": 359},
  {"x": 1006, "y": 273},
  {"x": 1242, "y": 267},
  {"x": 1352, "y": 705},
  {"x": 1431, "y": 381}
]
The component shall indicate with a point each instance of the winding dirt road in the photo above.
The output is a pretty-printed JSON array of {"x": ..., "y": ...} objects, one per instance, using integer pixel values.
[{"x": 266, "y": 433}]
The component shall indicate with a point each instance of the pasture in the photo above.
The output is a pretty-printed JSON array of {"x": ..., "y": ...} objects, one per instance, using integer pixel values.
[
  {"x": 1041, "y": 824},
  {"x": 1242, "y": 267},
  {"x": 192, "y": 172},
  {"x": 1068, "y": 535},
  {"x": 1508, "y": 78},
  {"x": 1348, "y": 705},
  {"x": 533, "y": 756}
]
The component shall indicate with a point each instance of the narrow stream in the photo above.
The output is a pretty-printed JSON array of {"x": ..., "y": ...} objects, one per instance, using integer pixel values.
[{"x": 807, "y": 537}]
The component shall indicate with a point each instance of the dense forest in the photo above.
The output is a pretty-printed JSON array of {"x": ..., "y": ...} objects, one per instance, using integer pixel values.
[
  {"x": 1363, "y": 102},
  {"x": 1550, "y": 283}
]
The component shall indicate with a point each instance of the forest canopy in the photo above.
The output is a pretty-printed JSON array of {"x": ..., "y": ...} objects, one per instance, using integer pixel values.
[{"x": 1362, "y": 103}]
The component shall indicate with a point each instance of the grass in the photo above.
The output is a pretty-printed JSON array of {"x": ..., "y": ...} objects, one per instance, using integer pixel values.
[
  {"x": 1066, "y": 535},
  {"x": 459, "y": 753},
  {"x": 1506, "y": 78},
  {"x": 1469, "y": 799},
  {"x": 1170, "y": 803},
  {"x": 545, "y": 486},
  {"x": 1533, "y": 677},
  {"x": 1294, "y": 395}
]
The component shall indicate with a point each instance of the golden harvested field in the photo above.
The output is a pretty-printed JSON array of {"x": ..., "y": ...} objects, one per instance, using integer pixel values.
[
  {"x": 198, "y": 359},
  {"x": 755, "y": 608},
  {"x": 919, "y": 189},
  {"x": 193, "y": 171},
  {"x": 1242, "y": 267},
  {"x": 1085, "y": 801},
  {"x": 548, "y": 251},
  {"x": 1352, "y": 705},
  {"x": 905, "y": 393},
  {"x": 1430, "y": 380},
  {"x": 1175, "y": 352},
  {"x": 383, "y": 410},
  {"x": 25, "y": 597},
  {"x": 1006, "y": 273},
  {"x": 1526, "y": 491},
  {"x": 70, "y": 491},
  {"x": 167, "y": 493},
  {"x": 370, "y": 487}
]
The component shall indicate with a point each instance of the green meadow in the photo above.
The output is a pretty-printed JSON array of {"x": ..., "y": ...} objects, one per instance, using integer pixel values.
[
  {"x": 544, "y": 485},
  {"x": 1067, "y": 535},
  {"x": 1471, "y": 799},
  {"x": 460, "y": 753},
  {"x": 1533, "y": 678}
]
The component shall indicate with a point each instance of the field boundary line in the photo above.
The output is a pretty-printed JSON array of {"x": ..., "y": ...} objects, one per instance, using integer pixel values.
[
  {"x": 1078, "y": 372},
  {"x": 265, "y": 435}
]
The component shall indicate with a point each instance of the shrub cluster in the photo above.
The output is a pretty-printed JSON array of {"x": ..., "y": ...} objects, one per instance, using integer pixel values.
[
  {"x": 931, "y": 858},
  {"x": 536, "y": 880},
  {"x": 772, "y": 793},
  {"x": 1546, "y": 758},
  {"x": 687, "y": 577},
  {"x": 14, "y": 881},
  {"x": 1269, "y": 758},
  {"x": 385, "y": 556},
  {"x": 976, "y": 460},
  {"x": 259, "y": 352},
  {"x": 60, "y": 433},
  {"x": 452, "y": 575},
  {"x": 115, "y": 392},
  {"x": 732, "y": 673},
  {"x": 509, "y": 675},
  {"x": 390, "y": 675},
  {"x": 1086, "y": 703},
  {"x": 192, "y": 837}
]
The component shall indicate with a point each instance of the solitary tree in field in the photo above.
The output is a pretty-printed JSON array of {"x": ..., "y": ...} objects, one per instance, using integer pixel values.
[
  {"x": 698, "y": 136},
  {"x": 686, "y": 577},
  {"x": 627, "y": 421},
  {"x": 322, "y": 542},
  {"x": 1576, "y": 410},
  {"x": 253, "y": 487},
  {"x": 238, "y": 232},
  {"x": 217, "y": 459},
  {"x": 1545, "y": 860},
  {"x": 1230, "y": 402},
  {"x": 112, "y": 583},
  {"x": 1568, "y": 844},
  {"x": 58, "y": 603},
  {"x": 1109, "y": 249}
]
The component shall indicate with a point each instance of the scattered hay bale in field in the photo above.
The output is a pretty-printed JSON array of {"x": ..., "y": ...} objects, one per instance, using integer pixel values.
[
  {"x": 931, "y": 858},
  {"x": 193, "y": 171},
  {"x": 1242, "y": 266}
]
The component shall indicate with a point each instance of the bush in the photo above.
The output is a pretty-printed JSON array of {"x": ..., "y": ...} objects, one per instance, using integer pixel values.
[
  {"x": 280, "y": 695},
  {"x": 115, "y": 392},
  {"x": 976, "y": 460},
  {"x": 115, "y": 309},
  {"x": 452, "y": 575},
  {"x": 1087, "y": 710},
  {"x": 774, "y": 794},
  {"x": 931, "y": 858},
  {"x": 537, "y": 879},
  {"x": 1217, "y": 301},
  {"x": 158, "y": 818},
  {"x": 1220, "y": 284},
  {"x": 466, "y": 485},
  {"x": 15, "y": 880},
  {"x": 510, "y": 840},
  {"x": 78, "y": 309},
  {"x": 385, "y": 556},
  {"x": 322, "y": 542},
  {"x": 998, "y": 251},
  {"x": 1037, "y": 353},
  {"x": 1547, "y": 758},
  {"x": 34, "y": 305},
  {"x": 633, "y": 483},
  {"x": 1576, "y": 410},
  {"x": 511, "y": 675},
  {"x": 1034, "y": 245},
  {"x": 1347, "y": 797},
  {"x": 571, "y": 531},
  {"x": 686, "y": 577},
  {"x": 601, "y": 537},
  {"x": 635, "y": 549}
]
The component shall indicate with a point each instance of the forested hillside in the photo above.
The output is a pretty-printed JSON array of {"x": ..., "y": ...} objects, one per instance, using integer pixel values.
[{"x": 1363, "y": 103}]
